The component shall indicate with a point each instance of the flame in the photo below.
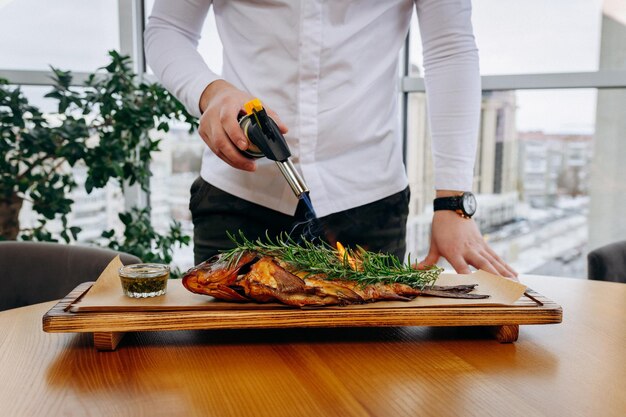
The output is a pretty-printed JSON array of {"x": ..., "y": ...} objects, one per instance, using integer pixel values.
[{"x": 345, "y": 256}]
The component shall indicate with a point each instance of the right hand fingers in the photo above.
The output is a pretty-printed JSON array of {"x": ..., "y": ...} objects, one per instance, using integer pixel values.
[
  {"x": 221, "y": 132},
  {"x": 230, "y": 124},
  {"x": 219, "y": 125},
  {"x": 503, "y": 268},
  {"x": 431, "y": 259},
  {"x": 218, "y": 141},
  {"x": 459, "y": 264}
]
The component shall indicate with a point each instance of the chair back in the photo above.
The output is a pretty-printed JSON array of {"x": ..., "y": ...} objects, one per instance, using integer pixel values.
[
  {"x": 34, "y": 272},
  {"x": 608, "y": 263}
]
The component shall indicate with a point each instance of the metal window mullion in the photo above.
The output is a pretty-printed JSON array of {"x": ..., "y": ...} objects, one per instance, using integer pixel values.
[
  {"x": 404, "y": 116},
  {"x": 43, "y": 78},
  {"x": 566, "y": 80},
  {"x": 597, "y": 79},
  {"x": 131, "y": 24}
]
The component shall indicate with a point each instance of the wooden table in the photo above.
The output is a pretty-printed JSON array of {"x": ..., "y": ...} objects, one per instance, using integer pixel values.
[{"x": 577, "y": 368}]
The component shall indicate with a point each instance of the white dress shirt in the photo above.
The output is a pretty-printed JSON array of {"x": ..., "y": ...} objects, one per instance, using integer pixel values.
[{"x": 329, "y": 69}]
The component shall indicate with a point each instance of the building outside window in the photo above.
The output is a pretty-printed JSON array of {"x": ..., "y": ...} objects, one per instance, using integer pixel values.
[{"x": 549, "y": 124}]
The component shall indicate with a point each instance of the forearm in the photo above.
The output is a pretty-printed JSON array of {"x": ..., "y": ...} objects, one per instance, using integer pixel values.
[
  {"x": 171, "y": 40},
  {"x": 449, "y": 193},
  {"x": 453, "y": 90}
]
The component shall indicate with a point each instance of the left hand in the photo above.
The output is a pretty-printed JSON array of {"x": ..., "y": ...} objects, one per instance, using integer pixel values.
[{"x": 459, "y": 241}]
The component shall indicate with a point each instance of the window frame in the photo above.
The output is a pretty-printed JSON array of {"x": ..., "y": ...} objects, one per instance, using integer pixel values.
[{"x": 131, "y": 27}]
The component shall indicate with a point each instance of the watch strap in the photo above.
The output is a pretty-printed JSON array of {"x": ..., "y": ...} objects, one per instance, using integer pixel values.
[{"x": 447, "y": 203}]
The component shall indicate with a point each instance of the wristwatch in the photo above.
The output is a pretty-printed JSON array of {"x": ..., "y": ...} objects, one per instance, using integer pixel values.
[{"x": 464, "y": 204}]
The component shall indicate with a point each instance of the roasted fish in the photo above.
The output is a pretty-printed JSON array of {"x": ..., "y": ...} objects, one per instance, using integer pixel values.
[{"x": 263, "y": 276}]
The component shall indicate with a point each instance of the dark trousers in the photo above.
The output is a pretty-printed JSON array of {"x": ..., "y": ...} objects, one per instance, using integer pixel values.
[{"x": 379, "y": 226}]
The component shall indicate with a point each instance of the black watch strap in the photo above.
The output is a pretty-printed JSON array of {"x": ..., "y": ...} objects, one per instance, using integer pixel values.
[{"x": 447, "y": 203}]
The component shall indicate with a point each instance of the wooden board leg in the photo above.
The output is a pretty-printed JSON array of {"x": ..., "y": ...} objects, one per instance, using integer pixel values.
[
  {"x": 507, "y": 333},
  {"x": 107, "y": 340}
]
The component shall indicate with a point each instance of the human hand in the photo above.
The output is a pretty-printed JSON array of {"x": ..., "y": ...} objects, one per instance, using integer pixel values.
[
  {"x": 221, "y": 103},
  {"x": 459, "y": 241}
]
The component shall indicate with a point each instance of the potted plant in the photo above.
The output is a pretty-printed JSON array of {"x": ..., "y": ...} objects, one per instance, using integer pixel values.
[{"x": 106, "y": 126}]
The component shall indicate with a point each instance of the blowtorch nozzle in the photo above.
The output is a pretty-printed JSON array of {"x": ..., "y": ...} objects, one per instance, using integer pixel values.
[
  {"x": 293, "y": 178},
  {"x": 266, "y": 140}
]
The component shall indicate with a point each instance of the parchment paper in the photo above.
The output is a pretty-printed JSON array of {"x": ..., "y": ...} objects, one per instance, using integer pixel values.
[{"x": 106, "y": 295}]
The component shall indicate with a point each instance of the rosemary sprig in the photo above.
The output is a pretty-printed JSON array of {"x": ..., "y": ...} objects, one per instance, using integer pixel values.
[{"x": 321, "y": 258}]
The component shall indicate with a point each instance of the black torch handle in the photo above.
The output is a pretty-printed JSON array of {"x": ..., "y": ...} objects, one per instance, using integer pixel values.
[{"x": 265, "y": 134}]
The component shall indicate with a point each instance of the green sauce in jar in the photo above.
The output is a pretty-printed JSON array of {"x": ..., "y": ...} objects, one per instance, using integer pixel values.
[{"x": 144, "y": 280}]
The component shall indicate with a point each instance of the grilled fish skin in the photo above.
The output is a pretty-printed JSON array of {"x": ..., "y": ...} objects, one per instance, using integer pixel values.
[{"x": 263, "y": 279}]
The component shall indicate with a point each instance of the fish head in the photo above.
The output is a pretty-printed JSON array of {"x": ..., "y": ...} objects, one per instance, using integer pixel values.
[{"x": 217, "y": 275}]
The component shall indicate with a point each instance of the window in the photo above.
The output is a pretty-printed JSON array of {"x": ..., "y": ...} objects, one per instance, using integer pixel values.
[
  {"x": 174, "y": 169},
  {"x": 533, "y": 36},
  {"x": 563, "y": 61},
  {"x": 69, "y": 34},
  {"x": 94, "y": 212},
  {"x": 531, "y": 179},
  {"x": 550, "y": 144}
]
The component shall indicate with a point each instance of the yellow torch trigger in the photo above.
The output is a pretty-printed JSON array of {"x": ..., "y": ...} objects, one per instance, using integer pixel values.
[{"x": 252, "y": 106}]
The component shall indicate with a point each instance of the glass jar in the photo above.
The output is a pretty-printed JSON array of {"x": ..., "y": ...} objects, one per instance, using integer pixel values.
[{"x": 144, "y": 280}]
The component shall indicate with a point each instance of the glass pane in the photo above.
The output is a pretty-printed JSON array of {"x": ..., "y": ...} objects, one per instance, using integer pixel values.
[
  {"x": 533, "y": 36},
  {"x": 178, "y": 164},
  {"x": 210, "y": 46},
  {"x": 68, "y": 34},
  {"x": 174, "y": 169},
  {"x": 532, "y": 176},
  {"x": 94, "y": 212}
]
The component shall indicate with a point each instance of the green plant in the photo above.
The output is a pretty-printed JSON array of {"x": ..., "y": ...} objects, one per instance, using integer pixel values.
[
  {"x": 107, "y": 126},
  {"x": 35, "y": 157},
  {"x": 121, "y": 112}
]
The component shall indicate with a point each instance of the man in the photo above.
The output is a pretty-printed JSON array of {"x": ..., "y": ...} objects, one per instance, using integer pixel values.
[{"x": 329, "y": 71}]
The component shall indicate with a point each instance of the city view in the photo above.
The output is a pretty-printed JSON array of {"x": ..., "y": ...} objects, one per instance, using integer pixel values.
[
  {"x": 532, "y": 189},
  {"x": 533, "y": 169}
]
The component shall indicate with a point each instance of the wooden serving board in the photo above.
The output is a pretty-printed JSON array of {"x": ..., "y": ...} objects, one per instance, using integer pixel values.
[{"x": 109, "y": 327}]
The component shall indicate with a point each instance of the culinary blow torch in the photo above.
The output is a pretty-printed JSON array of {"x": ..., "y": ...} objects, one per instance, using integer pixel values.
[{"x": 265, "y": 139}]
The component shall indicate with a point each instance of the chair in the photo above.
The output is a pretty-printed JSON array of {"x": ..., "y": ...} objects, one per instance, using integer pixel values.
[
  {"x": 608, "y": 263},
  {"x": 34, "y": 272}
]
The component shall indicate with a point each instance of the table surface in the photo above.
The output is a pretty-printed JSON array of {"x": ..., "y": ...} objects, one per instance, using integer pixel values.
[{"x": 576, "y": 368}]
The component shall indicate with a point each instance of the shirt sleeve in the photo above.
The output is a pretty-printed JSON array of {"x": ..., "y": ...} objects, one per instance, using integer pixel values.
[
  {"x": 171, "y": 40},
  {"x": 452, "y": 79}
]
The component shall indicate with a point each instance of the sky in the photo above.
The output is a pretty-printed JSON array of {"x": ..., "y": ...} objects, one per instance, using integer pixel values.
[
  {"x": 535, "y": 36},
  {"x": 532, "y": 36},
  {"x": 513, "y": 36}
]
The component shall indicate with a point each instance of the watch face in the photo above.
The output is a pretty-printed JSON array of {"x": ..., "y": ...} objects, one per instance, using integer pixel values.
[{"x": 469, "y": 204}]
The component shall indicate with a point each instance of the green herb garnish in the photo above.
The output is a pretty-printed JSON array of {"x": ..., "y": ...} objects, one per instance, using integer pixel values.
[{"x": 320, "y": 258}]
